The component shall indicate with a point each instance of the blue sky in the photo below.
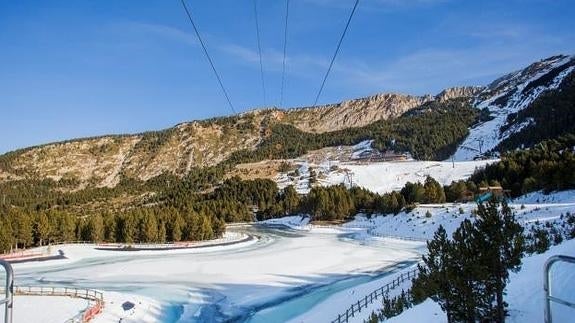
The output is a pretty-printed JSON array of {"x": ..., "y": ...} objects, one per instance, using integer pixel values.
[{"x": 91, "y": 67}]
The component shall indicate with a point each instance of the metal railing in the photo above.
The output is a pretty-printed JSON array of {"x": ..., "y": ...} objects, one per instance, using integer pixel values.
[
  {"x": 398, "y": 237},
  {"x": 547, "y": 285},
  {"x": 87, "y": 294},
  {"x": 96, "y": 297},
  {"x": 8, "y": 292},
  {"x": 373, "y": 296}
]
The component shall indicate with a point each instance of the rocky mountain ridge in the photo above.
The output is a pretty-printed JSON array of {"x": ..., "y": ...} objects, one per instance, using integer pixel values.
[
  {"x": 508, "y": 95},
  {"x": 104, "y": 161}
]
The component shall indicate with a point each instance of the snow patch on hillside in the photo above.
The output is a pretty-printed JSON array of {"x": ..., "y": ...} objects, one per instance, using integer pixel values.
[
  {"x": 380, "y": 177},
  {"x": 360, "y": 148},
  {"x": 298, "y": 222},
  {"x": 486, "y": 136}
]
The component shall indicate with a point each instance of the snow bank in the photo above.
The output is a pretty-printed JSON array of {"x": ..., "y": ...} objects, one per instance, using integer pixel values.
[
  {"x": 298, "y": 222},
  {"x": 424, "y": 220},
  {"x": 78, "y": 252},
  {"x": 428, "y": 311}
]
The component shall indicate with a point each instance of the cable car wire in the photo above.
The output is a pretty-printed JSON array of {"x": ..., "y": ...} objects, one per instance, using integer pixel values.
[
  {"x": 260, "y": 50},
  {"x": 336, "y": 51},
  {"x": 208, "y": 56},
  {"x": 285, "y": 50}
]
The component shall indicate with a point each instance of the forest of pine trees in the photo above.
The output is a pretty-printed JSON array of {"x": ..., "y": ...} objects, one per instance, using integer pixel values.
[
  {"x": 180, "y": 213},
  {"x": 22, "y": 229},
  {"x": 548, "y": 166}
]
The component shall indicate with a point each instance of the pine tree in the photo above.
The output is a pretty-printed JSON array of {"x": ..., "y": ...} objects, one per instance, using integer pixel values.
[
  {"x": 6, "y": 239},
  {"x": 467, "y": 275},
  {"x": 67, "y": 227},
  {"x": 110, "y": 227},
  {"x": 148, "y": 228},
  {"x": 42, "y": 229},
  {"x": 436, "y": 273},
  {"x": 176, "y": 228},
  {"x": 433, "y": 191},
  {"x": 95, "y": 228},
  {"x": 413, "y": 192},
  {"x": 291, "y": 200},
  {"x": 161, "y": 237},
  {"x": 502, "y": 248}
]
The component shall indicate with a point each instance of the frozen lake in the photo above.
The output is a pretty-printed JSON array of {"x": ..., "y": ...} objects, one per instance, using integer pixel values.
[{"x": 280, "y": 276}]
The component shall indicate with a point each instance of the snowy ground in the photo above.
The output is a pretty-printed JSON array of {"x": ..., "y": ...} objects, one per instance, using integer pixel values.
[
  {"x": 525, "y": 293},
  {"x": 145, "y": 309},
  {"x": 381, "y": 177},
  {"x": 424, "y": 220},
  {"x": 46, "y": 309},
  {"x": 530, "y": 209}
]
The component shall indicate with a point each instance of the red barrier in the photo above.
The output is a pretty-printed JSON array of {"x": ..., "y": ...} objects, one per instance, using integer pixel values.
[
  {"x": 21, "y": 255},
  {"x": 92, "y": 312}
]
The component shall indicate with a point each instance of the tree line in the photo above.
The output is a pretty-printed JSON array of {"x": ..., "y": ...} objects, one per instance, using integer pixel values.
[{"x": 23, "y": 229}]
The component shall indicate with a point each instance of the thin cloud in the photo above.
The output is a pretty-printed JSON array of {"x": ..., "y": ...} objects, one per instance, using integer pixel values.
[{"x": 161, "y": 31}]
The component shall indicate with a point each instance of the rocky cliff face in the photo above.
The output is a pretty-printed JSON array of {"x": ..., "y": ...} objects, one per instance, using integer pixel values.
[
  {"x": 353, "y": 113},
  {"x": 103, "y": 161},
  {"x": 458, "y": 92}
]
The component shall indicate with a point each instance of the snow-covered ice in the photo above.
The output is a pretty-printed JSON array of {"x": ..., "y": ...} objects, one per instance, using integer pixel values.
[{"x": 232, "y": 282}]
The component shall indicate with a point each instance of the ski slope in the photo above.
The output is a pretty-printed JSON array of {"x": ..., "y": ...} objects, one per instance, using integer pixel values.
[
  {"x": 380, "y": 177},
  {"x": 385, "y": 177}
]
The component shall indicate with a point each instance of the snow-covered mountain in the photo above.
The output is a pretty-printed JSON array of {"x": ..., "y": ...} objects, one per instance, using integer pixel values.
[{"x": 508, "y": 95}]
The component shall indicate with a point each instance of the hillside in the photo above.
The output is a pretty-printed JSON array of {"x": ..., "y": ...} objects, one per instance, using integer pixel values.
[
  {"x": 427, "y": 127},
  {"x": 507, "y": 96},
  {"x": 104, "y": 161}
]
